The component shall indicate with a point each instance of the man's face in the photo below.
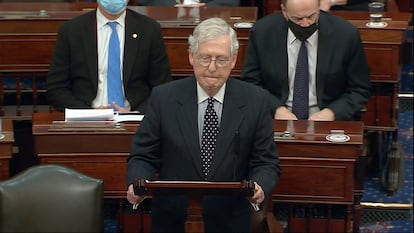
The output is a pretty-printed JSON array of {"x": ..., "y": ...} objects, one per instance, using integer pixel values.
[
  {"x": 212, "y": 63},
  {"x": 302, "y": 12}
]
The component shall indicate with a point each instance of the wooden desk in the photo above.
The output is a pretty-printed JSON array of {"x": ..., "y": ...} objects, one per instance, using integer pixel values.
[
  {"x": 99, "y": 152},
  {"x": 317, "y": 171},
  {"x": 384, "y": 52},
  {"x": 6, "y": 147},
  {"x": 336, "y": 168},
  {"x": 383, "y": 49}
]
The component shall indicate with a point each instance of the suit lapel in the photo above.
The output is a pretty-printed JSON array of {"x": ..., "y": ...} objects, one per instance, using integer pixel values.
[
  {"x": 326, "y": 50},
  {"x": 231, "y": 119},
  {"x": 187, "y": 120},
  {"x": 89, "y": 37},
  {"x": 131, "y": 46},
  {"x": 281, "y": 55}
]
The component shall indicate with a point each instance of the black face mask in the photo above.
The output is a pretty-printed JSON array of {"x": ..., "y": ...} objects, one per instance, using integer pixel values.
[{"x": 302, "y": 33}]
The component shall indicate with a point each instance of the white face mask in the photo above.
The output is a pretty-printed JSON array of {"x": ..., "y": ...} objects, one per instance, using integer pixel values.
[{"x": 113, "y": 7}]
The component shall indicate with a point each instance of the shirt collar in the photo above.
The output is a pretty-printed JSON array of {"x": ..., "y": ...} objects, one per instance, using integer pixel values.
[
  {"x": 202, "y": 95},
  {"x": 312, "y": 40},
  {"x": 290, "y": 37},
  {"x": 102, "y": 20}
]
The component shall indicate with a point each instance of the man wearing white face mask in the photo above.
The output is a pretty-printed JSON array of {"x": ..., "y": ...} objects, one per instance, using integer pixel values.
[{"x": 78, "y": 73}]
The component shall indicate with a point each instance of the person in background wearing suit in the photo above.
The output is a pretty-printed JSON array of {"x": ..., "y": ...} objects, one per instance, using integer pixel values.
[
  {"x": 77, "y": 75},
  {"x": 339, "y": 82},
  {"x": 169, "y": 142},
  {"x": 181, "y": 3}
]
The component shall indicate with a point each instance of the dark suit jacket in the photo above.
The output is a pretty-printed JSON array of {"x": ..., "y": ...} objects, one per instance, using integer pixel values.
[
  {"x": 72, "y": 81},
  {"x": 167, "y": 143},
  {"x": 172, "y": 2},
  {"x": 342, "y": 76}
]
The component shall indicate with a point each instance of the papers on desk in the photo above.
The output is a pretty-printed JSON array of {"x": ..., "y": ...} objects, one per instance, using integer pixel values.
[
  {"x": 89, "y": 115},
  {"x": 99, "y": 115},
  {"x": 125, "y": 117}
]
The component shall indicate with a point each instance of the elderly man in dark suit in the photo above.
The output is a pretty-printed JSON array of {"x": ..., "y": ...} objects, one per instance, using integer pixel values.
[
  {"x": 78, "y": 71},
  {"x": 169, "y": 141},
  {"x": 338, "y": 76}
]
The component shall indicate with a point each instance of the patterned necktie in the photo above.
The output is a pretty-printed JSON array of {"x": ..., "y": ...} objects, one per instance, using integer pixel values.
[
  {"x": 300, "y": 105},
  {"x": 114, "y": 69},
  {"x": 208, "y": 140}
]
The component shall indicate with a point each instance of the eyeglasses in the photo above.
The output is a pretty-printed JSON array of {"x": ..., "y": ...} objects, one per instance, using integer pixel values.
[{"x": 220, "y": 62}]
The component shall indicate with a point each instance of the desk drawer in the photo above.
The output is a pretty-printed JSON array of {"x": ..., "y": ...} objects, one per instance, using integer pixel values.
[
  {"x": 383, "y": 62},
  {"x": 315, "y": 180}
]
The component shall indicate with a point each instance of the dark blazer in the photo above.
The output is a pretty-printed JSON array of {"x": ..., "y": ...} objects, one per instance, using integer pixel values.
[
  {"x": 342, "y": 76},
  {"x": 173, "y": 2},
  {"x": 72, "y": 80},
  {"x": 167, "y": 143}
]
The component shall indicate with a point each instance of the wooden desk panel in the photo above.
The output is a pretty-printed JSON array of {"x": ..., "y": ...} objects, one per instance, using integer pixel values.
[
  {"x": 41, "y": 46},
  {"x": 109, "y": 167},
  {"x": 332, "y": 177},
  {"x": 332, "y": 165},
  {"x": 317, "y": 171},
  {"x": 6, "y": 147}
]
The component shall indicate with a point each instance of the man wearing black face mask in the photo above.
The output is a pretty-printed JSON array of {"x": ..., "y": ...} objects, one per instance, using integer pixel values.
[{"x": 337, "y": 71}]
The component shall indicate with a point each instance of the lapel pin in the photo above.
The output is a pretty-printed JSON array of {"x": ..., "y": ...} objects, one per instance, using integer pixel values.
[{"x": 134, "y": 35}]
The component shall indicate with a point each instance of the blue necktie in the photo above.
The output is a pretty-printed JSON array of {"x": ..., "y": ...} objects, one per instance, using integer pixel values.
[
  {"x": 300, "y": 105},
  {"x": 114, "y": 69},
  {"x": 208, "y": 140}
]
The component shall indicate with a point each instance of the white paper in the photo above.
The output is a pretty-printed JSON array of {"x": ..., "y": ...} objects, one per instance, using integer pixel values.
[
  {"x": 89, "y": 115},
  {"x": 128, "y": 117}
]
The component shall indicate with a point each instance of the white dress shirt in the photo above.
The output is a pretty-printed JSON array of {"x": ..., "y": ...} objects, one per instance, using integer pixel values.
[{"x": 103, "y": 33}]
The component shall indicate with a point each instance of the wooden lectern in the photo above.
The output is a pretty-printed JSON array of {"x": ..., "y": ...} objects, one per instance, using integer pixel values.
[{"x": 195, "y": 190}]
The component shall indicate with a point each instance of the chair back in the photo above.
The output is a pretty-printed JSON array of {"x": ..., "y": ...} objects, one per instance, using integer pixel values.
[{"x": 51, "y": 198}]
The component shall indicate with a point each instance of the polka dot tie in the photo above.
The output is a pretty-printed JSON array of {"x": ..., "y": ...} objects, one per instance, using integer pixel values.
[
  {"x": 300, "y": 105},
  {"x": 208, "y": 140}
]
